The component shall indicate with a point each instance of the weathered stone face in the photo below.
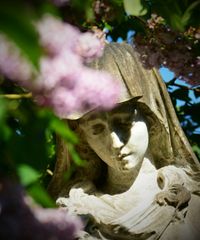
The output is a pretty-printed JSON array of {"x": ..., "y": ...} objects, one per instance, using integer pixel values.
[{"x": 119, "y": 137}]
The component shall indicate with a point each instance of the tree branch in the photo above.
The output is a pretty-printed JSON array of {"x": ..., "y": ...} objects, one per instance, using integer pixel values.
[{"x": 16, "y": 96}]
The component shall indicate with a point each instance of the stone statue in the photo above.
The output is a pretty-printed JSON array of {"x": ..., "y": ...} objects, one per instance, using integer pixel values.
[{"x": 141, "y": 179}]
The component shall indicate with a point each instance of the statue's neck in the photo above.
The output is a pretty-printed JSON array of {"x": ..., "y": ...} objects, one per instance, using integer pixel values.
[{"x": 118, "y": 181}]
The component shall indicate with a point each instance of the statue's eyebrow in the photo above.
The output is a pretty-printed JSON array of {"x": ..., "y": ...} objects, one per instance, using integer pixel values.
[
  {"x": 121, "y": 117},
  {"x": 94, "y": 116},
  {"x": 120, "y": 114},
  {"x": 123, "y": 110}
]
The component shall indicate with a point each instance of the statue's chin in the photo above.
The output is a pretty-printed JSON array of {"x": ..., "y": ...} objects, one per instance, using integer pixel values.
[{"x": 130, "y": 162}]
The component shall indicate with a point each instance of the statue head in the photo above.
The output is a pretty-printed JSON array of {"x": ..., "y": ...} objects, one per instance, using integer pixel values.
[
  {"x": 119, "y": 137},
  {"x": 145, "y": 99}
]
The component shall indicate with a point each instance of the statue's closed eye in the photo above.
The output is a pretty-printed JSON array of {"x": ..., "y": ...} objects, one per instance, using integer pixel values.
[{"x": 98, "y": 128}]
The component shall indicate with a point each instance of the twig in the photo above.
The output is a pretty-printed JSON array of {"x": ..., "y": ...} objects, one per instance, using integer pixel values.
[
  {"x": 16, "y": 96},
  {"x": 171, "y": 82}
]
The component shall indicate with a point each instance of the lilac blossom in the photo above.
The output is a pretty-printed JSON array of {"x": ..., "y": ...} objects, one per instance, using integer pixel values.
[
  {"x": 59, "y": 70},
  {"x": 20, "y": 219},
  {"x": 12, "y": 63},
  {"x": 86, "y": 90},
  {"x": 90, "y": 92},
  {"x": 64, "y": 102},
  {"x": 63, "y": 83},
  {"x": 89, "y": 46},
  {"x": 69, "y": 86},
  {"x": 101, "y": 90},
  {"x": 56, "y": 36},
  {"x": 58, "y": 222}
]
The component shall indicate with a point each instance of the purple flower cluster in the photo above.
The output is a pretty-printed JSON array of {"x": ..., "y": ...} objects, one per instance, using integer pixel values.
[
  {"x": 163, "y": 46},
  {"x": 88, "y": 46},
  {"x": 19, "y": 221},
  {"x": 12, "y": 63},
  {"x": 64, "y": 82}
]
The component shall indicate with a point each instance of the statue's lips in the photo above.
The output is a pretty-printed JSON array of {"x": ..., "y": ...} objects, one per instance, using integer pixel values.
[
  {"x": 128, "y": 161},
  {"x": 122, "y": 157}
]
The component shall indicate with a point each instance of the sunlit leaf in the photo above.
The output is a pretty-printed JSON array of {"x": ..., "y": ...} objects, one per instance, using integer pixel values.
[
  {"x": 27, "y": 174},
  {"x": 61, "y": 128},
  {"x": 108, "y": 26},
  {"x": 134, "y": 7},
  {"x": 89, "y": 14},
  {"x": 50, "y": 143},
  {"x": 39, "y": 194},
  {"x": 196, "y": 149}
]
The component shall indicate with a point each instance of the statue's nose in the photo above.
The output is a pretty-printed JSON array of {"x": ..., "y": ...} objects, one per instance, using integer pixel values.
[{"x": 116, "y": 143}]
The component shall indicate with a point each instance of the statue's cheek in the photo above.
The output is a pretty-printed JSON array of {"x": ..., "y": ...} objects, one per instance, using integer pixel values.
[{"x": 139, "y": 139}]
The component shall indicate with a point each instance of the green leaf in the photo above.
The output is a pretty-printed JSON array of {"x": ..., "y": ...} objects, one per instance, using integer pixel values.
[
  {"x": 68, "y": 174},
  {"x": 108, "y": 26},
  {"x": 89, "y": 14},
  {"x": 75, "y": 156},
  {"x": 39, "y": 194},
  {"x": 27, "y": 174},
  {"x": 50, "y": 143},
  {"x": 18, "y": 27},
  {"x": 188, "y": 13},
  {"x": 5, "y": 131},
  {"x": 3, "y": 109},
  {"x": 61, "y": 128},
  {"x": 134, "y": 7},
  {"x": 176, "y": 22},
  {"x": 193, "y": 111},
  {"x": 196, "y": 149},
  {"x": 117, "y": 2},
  {"x": 85, "y": 8}
]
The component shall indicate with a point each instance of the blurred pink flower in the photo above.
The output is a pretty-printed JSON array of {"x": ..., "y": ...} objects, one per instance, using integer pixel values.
[
  {"x": 21, "y": 219},
  {"x": 91, "y": 89},
  {"x": 60, "y": 219},
  {"x": 56, "y": 36},
  {"x": 64, "y": 102},
  {"x": 63, "y": 83},
  {"x": 59, "y": 70},
  {"x": 89, "y": 46},
  {"x": 101, "y": 89},
  {"x": 12, "y": 63}
]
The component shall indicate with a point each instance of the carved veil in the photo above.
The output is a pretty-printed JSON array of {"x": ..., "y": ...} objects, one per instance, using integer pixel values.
[{"x": 167, "y": 142}]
